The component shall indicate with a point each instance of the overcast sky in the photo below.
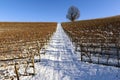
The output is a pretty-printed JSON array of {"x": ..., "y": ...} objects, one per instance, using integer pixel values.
[{"x": 55, "y": 10}]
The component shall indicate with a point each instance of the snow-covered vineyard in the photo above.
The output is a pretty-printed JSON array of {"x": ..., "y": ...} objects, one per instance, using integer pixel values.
[{"x": 61, "y": 63}]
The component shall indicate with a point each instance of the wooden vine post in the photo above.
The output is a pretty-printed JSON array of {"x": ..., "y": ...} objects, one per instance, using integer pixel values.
[
  {"x": 33, "y": 63},
  {"x": 16, "y": 71},
  {"x": 38, "y": 49}
]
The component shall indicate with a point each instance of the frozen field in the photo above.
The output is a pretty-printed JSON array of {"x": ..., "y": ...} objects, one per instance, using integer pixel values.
[{"x": 60, "y": 63}]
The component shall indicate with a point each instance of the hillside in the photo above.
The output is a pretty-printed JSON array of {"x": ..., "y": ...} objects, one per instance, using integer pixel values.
[
  {"x": 20, "y": 44},
  {"x": 16, "y": 31},
  {"x": 96, "y": 39}
]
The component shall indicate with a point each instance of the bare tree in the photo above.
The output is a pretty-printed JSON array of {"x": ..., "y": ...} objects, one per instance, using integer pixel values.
[{"x": 73, "y": 13}]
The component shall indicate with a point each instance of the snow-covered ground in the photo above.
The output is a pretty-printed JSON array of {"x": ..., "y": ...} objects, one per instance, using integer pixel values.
[{"x": 60, "y": 63}]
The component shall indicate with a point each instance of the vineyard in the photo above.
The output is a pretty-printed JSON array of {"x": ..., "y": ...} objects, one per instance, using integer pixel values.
[
  {"x": 20, "y": 46},
  {"x": 42, "y": 51},
  {"x": 97, "y": 40}
]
